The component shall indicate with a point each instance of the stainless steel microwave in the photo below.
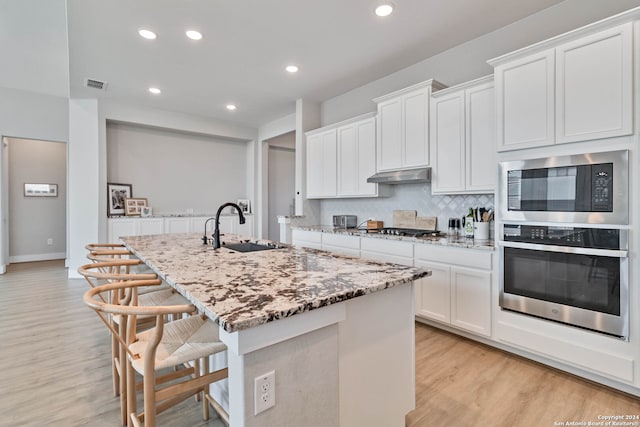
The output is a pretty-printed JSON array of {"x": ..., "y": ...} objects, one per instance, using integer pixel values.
[{"x": 586, "y": 188}]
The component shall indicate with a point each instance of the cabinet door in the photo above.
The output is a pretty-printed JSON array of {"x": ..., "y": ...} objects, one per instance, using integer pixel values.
[
  {"x": 481, "y": 163},
  {"x": 389, "y": 153},
  {"x": 366, "y": 136},
  {"x": 416, "y": 129},
  {"x": 329, "y": 163},
  {"x": 433, "y": 293},
  {"x": 196, "y": 225},
  {"x": 177, "y": 225},
  {"x": 245, "y": 229},
  {"x": 471, "y": 300},
  {"x": 594, "y": 92},
  {"x": 448, "y": 139},
  {"x": 148, "y": 226},
  {"x": 314, "y": 166},
  {"x": 347, "y": 161},
  {"x": 121, "y": 228},
  {"x": 227, "y": 224},
  {"x": 525, "y": 102}
]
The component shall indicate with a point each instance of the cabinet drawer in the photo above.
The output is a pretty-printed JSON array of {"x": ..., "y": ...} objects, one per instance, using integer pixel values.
[
  {"x": 348, "y": 242},
  {"x": 386, "y": 250},
  {"x": 307, "y": 239},
  {"x": 474, "y": 258}
]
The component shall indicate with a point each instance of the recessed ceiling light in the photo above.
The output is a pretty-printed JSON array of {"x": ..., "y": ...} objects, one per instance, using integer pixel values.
[
  {"x": 384, "y": 9},
  {"x": 193, "y": 35},
  {"x": 231, "y": 107},
  {"x": 292, "y": 68},
  {"x": 155, "y": 90},
  {"x": 147, "y": 34}
]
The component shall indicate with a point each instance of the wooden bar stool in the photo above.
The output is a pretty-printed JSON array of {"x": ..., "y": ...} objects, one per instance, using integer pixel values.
[
  {"x": 156, "y": 294},
  {"x": 185, "y": 342}
]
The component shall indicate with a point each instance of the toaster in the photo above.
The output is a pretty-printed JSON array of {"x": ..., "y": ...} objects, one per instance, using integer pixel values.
[{"x": 345, "y": 221}]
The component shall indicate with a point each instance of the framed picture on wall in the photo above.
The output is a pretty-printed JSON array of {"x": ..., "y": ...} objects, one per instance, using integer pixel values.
[
  {"x": 245, "y": 205},
  {"x": 41, "y": 190},
  {"x": 134, "y": 206},
  {"x": 116, "y": 196}
]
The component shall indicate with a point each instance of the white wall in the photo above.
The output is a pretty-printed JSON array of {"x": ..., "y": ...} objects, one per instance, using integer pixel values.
[
  {"x": 83, "y": 177},
  {"x": 34, "y": 220},
  {"x": 468, "y": 61},
  {"x": 177, "y": 171}
]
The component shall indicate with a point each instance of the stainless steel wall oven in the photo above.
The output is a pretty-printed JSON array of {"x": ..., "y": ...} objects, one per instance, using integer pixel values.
[
  {"x": 574, "y": 275},
  {"x": 564, "y": 241}
]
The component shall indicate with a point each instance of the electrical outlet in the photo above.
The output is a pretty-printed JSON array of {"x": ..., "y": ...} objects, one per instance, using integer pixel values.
[
  {"x": 264, "y": 392},
  {"x": 49, "y": 241}
]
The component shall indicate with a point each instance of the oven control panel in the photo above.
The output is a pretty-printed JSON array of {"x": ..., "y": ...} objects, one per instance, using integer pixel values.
[{"x": 599, "y": 238}]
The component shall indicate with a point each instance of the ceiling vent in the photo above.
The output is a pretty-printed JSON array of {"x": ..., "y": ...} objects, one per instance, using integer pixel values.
[{"x": 95, "y": 84}]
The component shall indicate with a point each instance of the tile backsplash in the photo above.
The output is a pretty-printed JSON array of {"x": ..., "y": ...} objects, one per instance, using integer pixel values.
[{"x": 405, "y": 197}]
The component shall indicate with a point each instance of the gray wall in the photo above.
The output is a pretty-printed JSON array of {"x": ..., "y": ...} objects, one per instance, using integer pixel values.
[
  {"x": 34, "y": 220},
  {"x": 176, "y": 171}
]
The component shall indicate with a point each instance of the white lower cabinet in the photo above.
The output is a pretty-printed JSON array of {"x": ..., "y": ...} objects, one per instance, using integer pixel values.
[
  {"x": 459, "y": 290},
  {"x": 122, "y": 227},
  {"x": 385, "y": 250},
  {"x": 341, "y": 244},
  {"x": 306, "y": 239}
]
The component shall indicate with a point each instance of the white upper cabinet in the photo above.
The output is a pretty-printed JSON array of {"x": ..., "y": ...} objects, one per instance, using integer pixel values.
[
  {"x": 341, "y": 157},
  {"x": 525, "y": 107},
  {"x": 403, "y": 127},
  {"x": 578, "y": 90},
  {"x": 357, "y": 158},
  {"x": 321, "y": 164},
  {"x": 463, "y": 132},
  {"x": 594, "y": 85}
]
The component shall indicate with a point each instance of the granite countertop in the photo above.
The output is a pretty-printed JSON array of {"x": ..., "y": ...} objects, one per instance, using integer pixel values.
[
  {"x": 460, "y": 242},
  {"x": 243, "y": 290}
]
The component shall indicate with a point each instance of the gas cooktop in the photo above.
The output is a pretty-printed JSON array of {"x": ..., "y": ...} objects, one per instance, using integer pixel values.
[{"x": 411, "y": 232}]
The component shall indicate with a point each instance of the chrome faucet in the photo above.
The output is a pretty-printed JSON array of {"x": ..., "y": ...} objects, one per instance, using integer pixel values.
[{"x": 216, "y": 233}]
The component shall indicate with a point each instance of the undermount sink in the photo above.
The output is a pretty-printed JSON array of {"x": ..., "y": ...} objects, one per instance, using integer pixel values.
[{"x": 248, "y": 247}]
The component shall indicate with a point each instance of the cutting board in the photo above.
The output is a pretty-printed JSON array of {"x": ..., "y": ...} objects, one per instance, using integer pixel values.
[
  {"x": 427, "y": 222},
  {"x": 409, "y": 219},
  {"x": 404, "y": 219}
]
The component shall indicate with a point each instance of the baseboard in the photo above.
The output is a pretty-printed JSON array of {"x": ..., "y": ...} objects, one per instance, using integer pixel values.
[{"x": 37, "y": 257}]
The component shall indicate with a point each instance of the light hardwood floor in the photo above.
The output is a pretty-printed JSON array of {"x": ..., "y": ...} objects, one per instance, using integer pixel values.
[
  {"x": 55, "y": 357},
  {"x": 464, "y": 383}
]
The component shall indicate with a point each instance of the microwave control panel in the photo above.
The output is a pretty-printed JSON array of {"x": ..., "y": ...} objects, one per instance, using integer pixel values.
[{"x": 602, "y": 187}]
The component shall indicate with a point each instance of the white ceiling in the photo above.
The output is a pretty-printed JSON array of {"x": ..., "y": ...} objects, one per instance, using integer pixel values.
[{"x": 338, "y": 45}]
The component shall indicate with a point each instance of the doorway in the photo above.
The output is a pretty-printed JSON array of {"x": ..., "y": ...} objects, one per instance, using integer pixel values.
[
  {"x": 36, "y": 177},
  {"x": 281, "y": 191}
]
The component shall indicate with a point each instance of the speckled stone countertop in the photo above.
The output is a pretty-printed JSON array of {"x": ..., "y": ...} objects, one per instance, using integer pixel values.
[
  {"x": 461, "y": 242},
  {"x": 243, "y": 290}
]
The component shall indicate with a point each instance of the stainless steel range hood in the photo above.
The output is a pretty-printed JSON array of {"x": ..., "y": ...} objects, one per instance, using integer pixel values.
[{"x": 407, "y": 176}]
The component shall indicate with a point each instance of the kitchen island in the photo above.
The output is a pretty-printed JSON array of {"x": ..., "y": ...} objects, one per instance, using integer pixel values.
[{"x": 337, "y": 331}]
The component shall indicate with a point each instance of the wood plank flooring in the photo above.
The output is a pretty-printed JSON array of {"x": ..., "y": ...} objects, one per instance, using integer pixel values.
[
  {"x": 55, "y": 357},
  {"x": 464, "y": 383}
]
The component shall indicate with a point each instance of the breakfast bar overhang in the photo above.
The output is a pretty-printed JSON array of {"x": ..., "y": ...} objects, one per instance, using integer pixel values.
[{"x": 337, "y": 331}]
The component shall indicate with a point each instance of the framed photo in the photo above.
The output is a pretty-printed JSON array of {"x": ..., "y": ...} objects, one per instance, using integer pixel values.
[
  {"x": 133, "y": 206},
  {"x": 245, "y": 205},
  {"x": 41, "y": 190},
  {"x": 116, "y": 195},
  {"x": 146, "y": 211}
]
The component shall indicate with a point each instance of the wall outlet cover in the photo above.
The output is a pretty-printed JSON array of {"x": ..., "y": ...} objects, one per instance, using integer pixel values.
[{"x": 264, "y": 392}]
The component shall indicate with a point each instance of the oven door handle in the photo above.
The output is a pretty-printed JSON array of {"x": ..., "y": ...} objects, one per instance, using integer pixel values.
[{"x": 566, "y": 249}]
